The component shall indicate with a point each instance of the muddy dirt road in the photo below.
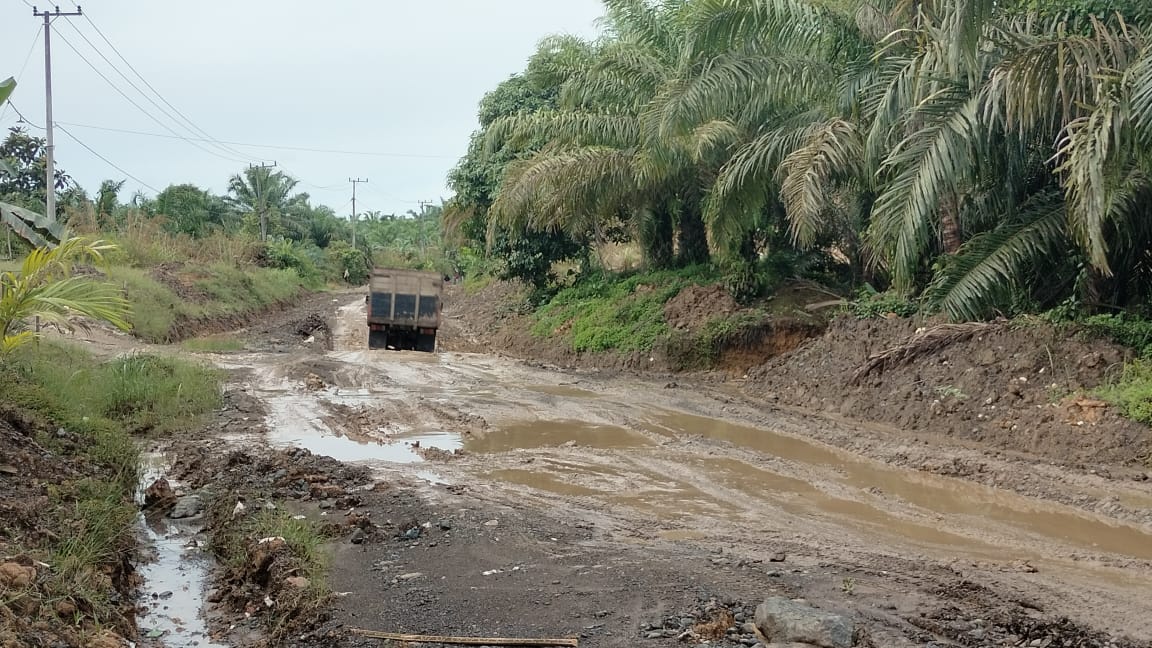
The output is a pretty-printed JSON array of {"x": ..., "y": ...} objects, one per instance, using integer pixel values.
[
  {"x": 534, "y": 501},
  {"x": 671, "y": 491}
]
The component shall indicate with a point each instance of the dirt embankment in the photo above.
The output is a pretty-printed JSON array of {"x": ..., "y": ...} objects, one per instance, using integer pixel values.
[
  {"x": 497, "y": 319},
  {"x": 1014, "y": 386}
]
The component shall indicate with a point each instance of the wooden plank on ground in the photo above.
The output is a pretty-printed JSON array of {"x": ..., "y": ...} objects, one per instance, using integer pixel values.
[{"x": 466, "y": 641}]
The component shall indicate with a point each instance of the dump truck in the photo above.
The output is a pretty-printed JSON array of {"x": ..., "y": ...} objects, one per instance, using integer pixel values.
[{"x": 403, "y": 309}]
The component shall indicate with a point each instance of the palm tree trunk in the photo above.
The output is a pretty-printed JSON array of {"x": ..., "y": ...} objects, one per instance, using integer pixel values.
[
  {"x": 950, "y": 238},
  {"x": 655, "y": 234},
  {"x": 693, "y": 237}
]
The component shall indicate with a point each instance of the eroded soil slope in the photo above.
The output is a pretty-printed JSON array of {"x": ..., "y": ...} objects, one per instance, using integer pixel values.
[{"x": 1020, "y": 387}]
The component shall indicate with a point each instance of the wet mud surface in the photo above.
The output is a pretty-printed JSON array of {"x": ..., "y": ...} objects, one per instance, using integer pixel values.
[{"x": 479, "y": 495}]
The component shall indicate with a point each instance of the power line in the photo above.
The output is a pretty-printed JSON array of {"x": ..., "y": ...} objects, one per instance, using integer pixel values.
[
  {"x": 106, "y": 160},
  {"x": 22, "y": 117},
  {"x": 141, "y": 108},
  {"x": 20, "y": 74},
  {"x": 190, "y": 124},
  {"x": 268, "y": 146},
  {"x": 163, "y": 111}
]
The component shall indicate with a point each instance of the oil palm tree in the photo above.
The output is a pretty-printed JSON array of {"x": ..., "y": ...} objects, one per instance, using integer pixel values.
[
  {"x": 606, "y": 158},
  {"x": 262, "y": 192},
  {"x": 45, "y": 288}
]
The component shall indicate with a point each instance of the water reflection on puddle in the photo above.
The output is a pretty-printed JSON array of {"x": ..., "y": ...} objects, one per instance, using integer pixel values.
[
  {"x": 545, "y": 434},
  {"x": 936, "y": 494},
  {"x": 174, "y": 575}
]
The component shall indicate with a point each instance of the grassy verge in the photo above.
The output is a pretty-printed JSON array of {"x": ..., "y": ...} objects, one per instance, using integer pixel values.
[
  {"x": 72, "y": 420},
  {"x": 1131, "y": 394},
  {"x": 213, "y": 344},
  {"x": 278, "y": 554},
  {"x": 616, "y": 313},
  {"x": 166, "y": 308}
]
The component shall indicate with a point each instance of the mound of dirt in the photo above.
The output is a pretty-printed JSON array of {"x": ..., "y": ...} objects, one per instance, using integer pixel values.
[
  {"x": 183, "y": 284},
  {"x": 1016, "y": 387},
  {"x": 695, "y": 306}
]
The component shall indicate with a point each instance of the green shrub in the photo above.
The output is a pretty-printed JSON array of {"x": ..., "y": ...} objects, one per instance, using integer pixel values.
[
  {"x": 286, "y": 255},
  {"x": 1123, "y": 329},
  {"x": 348, "y": 263},
  {"x": 870, "y": 304},
  {"x": 1132, "y": 393},
  {"x": 745, "y": 283}
]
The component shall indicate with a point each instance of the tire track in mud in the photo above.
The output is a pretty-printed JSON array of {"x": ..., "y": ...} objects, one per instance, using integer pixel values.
[{"x": 659, "y": 465}]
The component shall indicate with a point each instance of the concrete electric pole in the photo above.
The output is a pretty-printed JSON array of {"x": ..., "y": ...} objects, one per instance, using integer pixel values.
[
  {"x": 355, "y": 218},
  {"x": 50, "y": 193}
]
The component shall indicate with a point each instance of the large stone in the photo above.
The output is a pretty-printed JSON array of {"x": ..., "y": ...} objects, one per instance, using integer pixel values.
[
  {"x": 782, "y": 620},
  {"x": 186, "y": 507},
  {"x": 17, "y": 576}
]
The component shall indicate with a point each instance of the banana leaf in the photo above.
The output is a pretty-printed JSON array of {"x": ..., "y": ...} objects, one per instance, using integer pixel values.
[
  {"x": 37, "y": 229},
  {"x": 6, "y": 88}
]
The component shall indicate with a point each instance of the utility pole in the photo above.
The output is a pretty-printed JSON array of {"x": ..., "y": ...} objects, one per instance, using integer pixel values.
[
  {"x": 261, "y": 201},
  {"x": 355, "y": 182},
  {"x": 50, "y": 193},
  {"x": 420, "y": 225}
]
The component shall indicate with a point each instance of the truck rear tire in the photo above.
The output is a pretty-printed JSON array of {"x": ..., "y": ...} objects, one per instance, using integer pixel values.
[
  {"x": 377, "y": 339},
  {"x": 426, "y": 343}
]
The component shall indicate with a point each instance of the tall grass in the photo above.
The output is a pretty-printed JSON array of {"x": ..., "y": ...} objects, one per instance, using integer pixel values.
[
  {"x": 143, "y": 242},
  {"x": 134, "y": 394},
  {"x": 172, "y": 279},
  {"x": 101, "y": 405}
]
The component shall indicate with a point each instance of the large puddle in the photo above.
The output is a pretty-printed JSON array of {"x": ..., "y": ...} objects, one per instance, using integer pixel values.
[
  {"x": 297, "y": 420},
  {"x": 543, "y": 434},
  {"x": 937, "y": 495}
]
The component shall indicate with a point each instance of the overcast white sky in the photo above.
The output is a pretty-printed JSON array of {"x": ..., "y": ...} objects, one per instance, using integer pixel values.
[{"x": 397, "y": 79}]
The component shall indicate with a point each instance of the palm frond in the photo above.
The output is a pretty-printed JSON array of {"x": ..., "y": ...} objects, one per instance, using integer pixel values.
[
  {"x": 831, "y": 153},
  {"x": 1048, "y": 75},
  {"x": 624, "y": 75},
  {"x": 734, "y": 81},
  {"x": 791, "y": 25},
  {"x": 554, "y": 188},
  {"x": 1096, "y": 161},
  {"x": 928, "y": 164},
  {"x": 989, "y": 267}
]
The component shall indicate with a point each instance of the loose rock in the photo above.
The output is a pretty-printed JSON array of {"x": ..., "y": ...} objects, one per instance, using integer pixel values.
[
  {"x": 186, "y": 507},
  {"x": 782, "y": 620}
]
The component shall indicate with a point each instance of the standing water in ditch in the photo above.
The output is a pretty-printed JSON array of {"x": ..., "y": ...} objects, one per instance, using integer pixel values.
[{"x": 175, "y": 571}]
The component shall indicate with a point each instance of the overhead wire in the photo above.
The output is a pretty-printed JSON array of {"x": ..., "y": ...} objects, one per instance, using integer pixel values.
[
  {"x": 90, "y": 149},
  {"x": 24, "y": 66},
  {"x": 22, "y": 117},
  {"x": 184, "y": 122},
  {"x": 304, "y": 149},
  {"x": 193, "y": 127},
  {"x": 141, "y": 108},
  {"x": 164, "y": 111}
]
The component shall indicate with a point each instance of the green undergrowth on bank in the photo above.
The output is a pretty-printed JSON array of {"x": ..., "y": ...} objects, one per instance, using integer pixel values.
[
  {"x": 83, "y": 416},
  {"x": 169, "y": 306},
  {"x": 617, "y": 312}
]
